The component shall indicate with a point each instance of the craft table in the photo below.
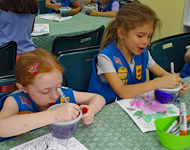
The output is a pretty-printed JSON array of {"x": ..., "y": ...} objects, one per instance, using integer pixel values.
[
  {"x": 78, "y": 24},
  {"x": 112, "y": 129}
]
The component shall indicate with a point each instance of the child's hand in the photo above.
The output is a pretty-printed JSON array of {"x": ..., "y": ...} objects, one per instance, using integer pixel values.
[
  {"x": 86, "y": 2},
  {"x": 73, "y": 12},
  {"x": 66, "y": 112},
  {"x": 57, "y": 6},
  {"x": 88, "y": 117},
  {"x": 168, "y": 81},
  {"x": 184, "y": 88},
  {"x": 93, "y": 12}
]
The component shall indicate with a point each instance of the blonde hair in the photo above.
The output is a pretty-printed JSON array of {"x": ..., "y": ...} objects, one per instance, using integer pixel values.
[
  {"x": 47, "y": 63},
  {"x": 129, "y": 17}
]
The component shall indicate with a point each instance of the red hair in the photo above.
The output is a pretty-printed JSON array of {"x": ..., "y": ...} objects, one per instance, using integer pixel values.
[{"x": 47, "y": 63}]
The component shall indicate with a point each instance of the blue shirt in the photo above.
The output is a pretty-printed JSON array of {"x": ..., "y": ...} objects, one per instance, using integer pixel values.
[
  {"x": 17, "y": 27},
  {"x": 64, "y": 3},
  {"x": 185, "y": 72}
]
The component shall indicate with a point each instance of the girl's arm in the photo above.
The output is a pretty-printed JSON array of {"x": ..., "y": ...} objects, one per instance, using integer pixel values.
[
  {"x": 103, "y": 14},
  {"x": 77, "y": 8},
  {"x": 11, "y": 123},
  {"x": 49, "y": 5},
  {"x": 93, "y": 102},
  {"x": 166, "y": 80},
  {"x": 86, "y": 2},
  {"x": 160, "y": 72}
]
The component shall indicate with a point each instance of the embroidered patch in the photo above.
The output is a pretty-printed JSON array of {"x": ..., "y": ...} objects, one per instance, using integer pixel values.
[
  {"x": 122, "y": 72},
  {"x": 25, "y": 112},
  {"x": 62, "y": 100},
  {"x": 117, "y": 60},
  {"x": 139, "y": 72},
  {"x": 26, "y": 101},
  {"x": 125, "y": 81}
]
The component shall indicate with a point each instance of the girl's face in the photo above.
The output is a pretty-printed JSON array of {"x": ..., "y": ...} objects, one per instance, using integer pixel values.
[
  {"x": 43, "y": 91},
  {"x": 136, "y": 40},
  {"x": 104, "y": 1}
]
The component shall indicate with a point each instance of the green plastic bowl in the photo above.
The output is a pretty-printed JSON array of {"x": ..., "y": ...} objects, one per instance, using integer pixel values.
[{"x": 168, "y": 140}]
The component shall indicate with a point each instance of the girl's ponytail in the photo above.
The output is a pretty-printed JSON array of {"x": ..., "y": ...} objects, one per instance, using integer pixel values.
[{"x": 109, "y": 34}]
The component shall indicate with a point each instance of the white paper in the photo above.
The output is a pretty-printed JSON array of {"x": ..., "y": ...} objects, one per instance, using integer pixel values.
[
  {"x": 48, "y": 142},
  {"x": 139, "y": 120},
  {"x": 54, "y": 17},
  {"x": 40, "y": 29}
]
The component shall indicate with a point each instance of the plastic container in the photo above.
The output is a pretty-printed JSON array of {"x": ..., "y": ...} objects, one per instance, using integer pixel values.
[
  {"x": 167, "y": 96},
  {"x": 64, "y": 130},
  {"x": 64, "y": 11},
  {"x": 168, "y": 140},
  {"x": 89, "y": 7}
]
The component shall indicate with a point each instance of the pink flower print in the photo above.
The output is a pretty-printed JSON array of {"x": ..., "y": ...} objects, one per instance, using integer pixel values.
[{"x": 148, "y": 105}]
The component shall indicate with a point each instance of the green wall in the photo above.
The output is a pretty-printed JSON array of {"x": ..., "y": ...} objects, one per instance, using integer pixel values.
[{"x": 170, "y": 13}]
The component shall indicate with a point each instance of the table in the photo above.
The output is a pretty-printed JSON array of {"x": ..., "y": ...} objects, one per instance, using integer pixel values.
[
  {"x": 112, "y": 129},
  {"x": 78, "y": 24}
]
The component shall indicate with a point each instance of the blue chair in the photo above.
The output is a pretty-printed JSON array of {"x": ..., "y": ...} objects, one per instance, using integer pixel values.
[
  {"x": 169, "y": 49},
  {"x": 41, "y": 5},
  {"x": 8, "y": 54},
  {"x": 77, "y": 67},
  {"x": 92, "y": 38}
]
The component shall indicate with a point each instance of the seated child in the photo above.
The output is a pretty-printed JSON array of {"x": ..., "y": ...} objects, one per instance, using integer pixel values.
[
  {"x": 185, "y": 72},
  {"x": 119, "y": 69},
  {"x": 106, "y": 8},
  {"x": 54, "y": 6},
  {"x": 38, "y": 75}
]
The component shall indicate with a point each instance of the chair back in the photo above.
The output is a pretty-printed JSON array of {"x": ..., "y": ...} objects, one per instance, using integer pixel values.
[
  {"x": 170, "y": 49},
  {"x": 8, "y": 53},
  {"x": 41, "y": 5},
  {"x": 92, "y": 38},
  {"x": 77, "y": 67}
]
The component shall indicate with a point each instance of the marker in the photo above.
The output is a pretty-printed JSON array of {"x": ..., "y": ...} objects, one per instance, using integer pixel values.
[
  {"x": 183, "y": 119},
  {"x": 84, "y": 110},
  {"x": 176, "y": 126},
  {"x": 54, "y": 1},
  {"x": 177, "y": 132},
  {"x": 62, "y": 95},
  {"x": 172, "y": 68},
  {"x": 65, "y": 99}
]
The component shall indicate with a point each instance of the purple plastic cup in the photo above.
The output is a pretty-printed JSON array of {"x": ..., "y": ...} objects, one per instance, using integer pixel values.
[
  {"x": 167, "y": 96},
  {"x": 64, "y": 130}
]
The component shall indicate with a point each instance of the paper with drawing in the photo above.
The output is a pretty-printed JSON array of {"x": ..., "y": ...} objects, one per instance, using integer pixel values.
[
  {"x": 54, "y": 17},
  {"x": 47, "y": 142},
  {"x": 40, "y": 29},
  {"x": 144, "y": 110}
]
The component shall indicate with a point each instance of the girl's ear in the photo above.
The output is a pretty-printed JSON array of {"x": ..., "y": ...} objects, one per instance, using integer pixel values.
[
  {"x": 120, "y": 32},
  {"x": 22, "y": 88}
]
